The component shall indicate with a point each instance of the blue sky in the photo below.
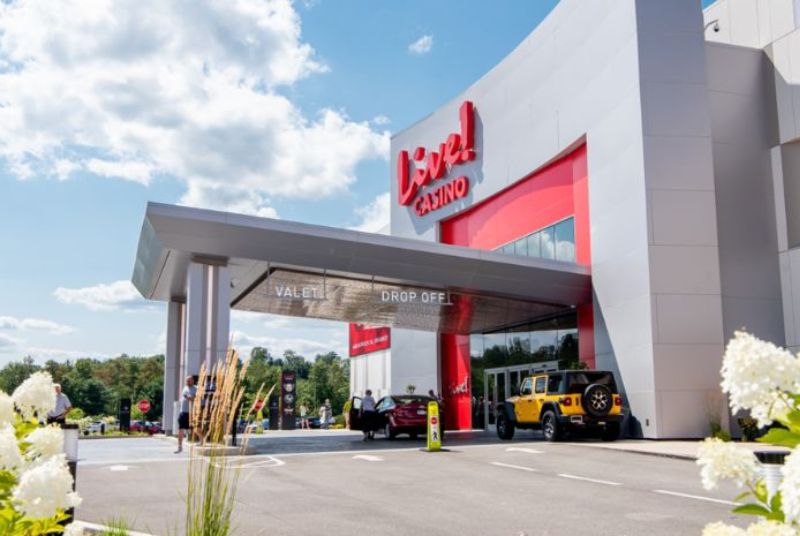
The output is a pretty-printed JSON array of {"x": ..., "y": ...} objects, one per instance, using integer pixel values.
[{"x": 279, "y": 109}]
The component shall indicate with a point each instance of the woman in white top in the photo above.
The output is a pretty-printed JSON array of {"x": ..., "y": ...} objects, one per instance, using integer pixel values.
[{"x": 368, "y": 415}]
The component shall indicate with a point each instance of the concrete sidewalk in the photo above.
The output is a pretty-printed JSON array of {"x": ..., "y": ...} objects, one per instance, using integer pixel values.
[{"x": 684, "y": 450}]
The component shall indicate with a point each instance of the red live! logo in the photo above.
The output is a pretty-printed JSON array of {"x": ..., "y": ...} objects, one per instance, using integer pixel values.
[{"x": 458, "y": 149}]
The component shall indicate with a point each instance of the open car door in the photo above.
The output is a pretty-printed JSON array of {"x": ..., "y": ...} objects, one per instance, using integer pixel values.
[{"x": 356, "y": 421}]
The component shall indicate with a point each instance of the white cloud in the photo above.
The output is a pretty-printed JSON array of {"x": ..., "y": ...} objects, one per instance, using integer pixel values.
[
  {"x": 375, "y": 216},
  {"x": 119, "y": 295},
  {"x": 381, "y": 120},
  {"x": 308, "y": 348},
  {"x": 132, "y": 171},
  {"x": 40, "y": 355},
  {"x": 34, "y": 324},
  {"x": 194, "y": 92},
  {"x": 422, "y": 45},
  {"x": 8, "y": 342}
]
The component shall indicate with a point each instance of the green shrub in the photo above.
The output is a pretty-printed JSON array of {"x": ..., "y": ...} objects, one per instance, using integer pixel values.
[{"x": 719, "y": 432}]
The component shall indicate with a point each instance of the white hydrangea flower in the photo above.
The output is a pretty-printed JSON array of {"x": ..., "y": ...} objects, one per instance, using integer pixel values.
[
  {"x": 790, "y": 486},
  {"x": 756, "y": 373},
  {"x": 722, "y": 460},
  {"x": 45, "y": 489},
  {"x": 73, "y": 530},
  {"x": 10, "y": 456},
  {"x": 770, "y": 528},
  {"x": 7, "y": 414},
  {"x": 721, "y": 529},
  {"x": 45, "y": 442},
  {"x": 36, "y": 395}
]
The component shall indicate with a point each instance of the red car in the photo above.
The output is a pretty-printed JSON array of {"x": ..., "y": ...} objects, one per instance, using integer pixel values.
[{"x": 396, "y": 414}]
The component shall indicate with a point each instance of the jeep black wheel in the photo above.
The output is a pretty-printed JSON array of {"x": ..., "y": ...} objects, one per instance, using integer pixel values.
[
  {"x": 597, "y": 400},
  {"x": 550, "y": 428},
  {"x": 610, "y": 432},
  {"x": 388, "y": 431},
  {"x": 505, "y": 428}
]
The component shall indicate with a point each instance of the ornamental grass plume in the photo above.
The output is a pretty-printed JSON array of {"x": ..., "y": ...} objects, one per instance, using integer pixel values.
[
  {"x": 721, "y": 460},
  {"x": 213, "y": 479}
]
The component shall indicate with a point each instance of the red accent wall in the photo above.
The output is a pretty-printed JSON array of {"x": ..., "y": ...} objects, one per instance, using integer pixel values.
[{"x": 546, "y": 196}]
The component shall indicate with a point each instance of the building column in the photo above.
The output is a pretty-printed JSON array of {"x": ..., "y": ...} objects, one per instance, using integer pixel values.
[
  {"x": 207, "y": 315},
  {"x": 172, "y": 363}
]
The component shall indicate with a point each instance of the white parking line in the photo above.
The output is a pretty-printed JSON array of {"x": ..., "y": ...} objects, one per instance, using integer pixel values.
[
  {"x": 519, "y": 467},
  {"x": 368, "y": 458},
  {"x": 522, "y": 449},
  {"x": 118, "y": 468},
  {"x": 697, "y": 497},
  {"x": 586, "y": 479}
]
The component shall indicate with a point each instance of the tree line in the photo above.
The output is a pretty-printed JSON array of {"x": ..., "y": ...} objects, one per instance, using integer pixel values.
[{"x": 96, "y": 386}]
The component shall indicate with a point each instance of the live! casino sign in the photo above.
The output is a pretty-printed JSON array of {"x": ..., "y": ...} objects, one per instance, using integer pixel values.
[{"x": 429, "y": 166}]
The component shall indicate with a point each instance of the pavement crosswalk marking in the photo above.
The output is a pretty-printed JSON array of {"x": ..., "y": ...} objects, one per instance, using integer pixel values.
[
  {"x": 697, "y": 497},
  {"x": 587, "y": 479},
  {"x": 519, "y": 467},
  {"x": 117, "y": 468},
  {"x": 368, "y": 458},
  {"x": 523, "y": 449}
]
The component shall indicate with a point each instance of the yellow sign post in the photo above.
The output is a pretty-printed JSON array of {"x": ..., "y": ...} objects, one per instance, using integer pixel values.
[{"x": 434, "y": 428}]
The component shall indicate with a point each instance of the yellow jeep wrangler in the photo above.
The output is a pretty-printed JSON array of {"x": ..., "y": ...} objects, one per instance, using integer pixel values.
[{"x": 564, "y": 401}]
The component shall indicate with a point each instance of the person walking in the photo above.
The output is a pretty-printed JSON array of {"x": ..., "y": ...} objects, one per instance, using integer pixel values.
[
  {"x": 346, "y": 410},
  {"x": 325, "y": 414},
  {"x": 304, "y": 416},
  {"x": 58, "y": 415},
  {"x": 187, "y": 399},
  {"x": 368, "y": 415}
]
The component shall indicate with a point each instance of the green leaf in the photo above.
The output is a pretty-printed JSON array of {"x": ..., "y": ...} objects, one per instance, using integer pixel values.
[
  {"x": 761, "y": 492},
  {"x": 743, "y": 495},
  {"x": 779, "y": 437},
  {"x": 752, "y": 510},
  {"x": 776, "y": 505}
]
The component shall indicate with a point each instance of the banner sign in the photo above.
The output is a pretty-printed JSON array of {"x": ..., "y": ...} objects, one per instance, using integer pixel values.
[
  {"x": 288, "y": 397},
  {"x": 368, "y": 339}
]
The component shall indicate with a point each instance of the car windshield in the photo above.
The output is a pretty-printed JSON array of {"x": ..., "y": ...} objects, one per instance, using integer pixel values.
[
  {"x": 403, "y": 400},
  {"x": 577, "y": 382}
]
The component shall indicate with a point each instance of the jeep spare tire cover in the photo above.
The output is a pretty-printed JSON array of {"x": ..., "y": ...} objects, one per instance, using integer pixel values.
[{"x": 597, "y": 400}]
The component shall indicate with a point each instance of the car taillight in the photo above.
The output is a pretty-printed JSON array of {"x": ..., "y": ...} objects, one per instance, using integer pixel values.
[
  {"x": 617, "y": 401},
  {"x": 566, "y": 401}
]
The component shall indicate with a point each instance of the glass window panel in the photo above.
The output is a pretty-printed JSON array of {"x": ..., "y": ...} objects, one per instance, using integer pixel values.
[
  {"x": 540, "y": 384},
  {"x": 534, "y": 245},
  {"x": 565, "y": 240},
  {"x": 521, "y": 247},
  {"x": 476, "y": 346},
  {"x": 548, "y": 246},
  {"x": 544, "y": 341},
  {"x": 508, "y": 249},
  {"x": 495, "y": 353},
  {"x": 519, "y": 345}
]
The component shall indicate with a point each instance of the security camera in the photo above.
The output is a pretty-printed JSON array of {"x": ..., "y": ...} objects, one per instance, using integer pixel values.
[{"x": 716, "y": 27}]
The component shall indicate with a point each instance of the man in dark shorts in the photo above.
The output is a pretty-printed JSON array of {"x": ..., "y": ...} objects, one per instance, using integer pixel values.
[{"x": 187, "y": 399}]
